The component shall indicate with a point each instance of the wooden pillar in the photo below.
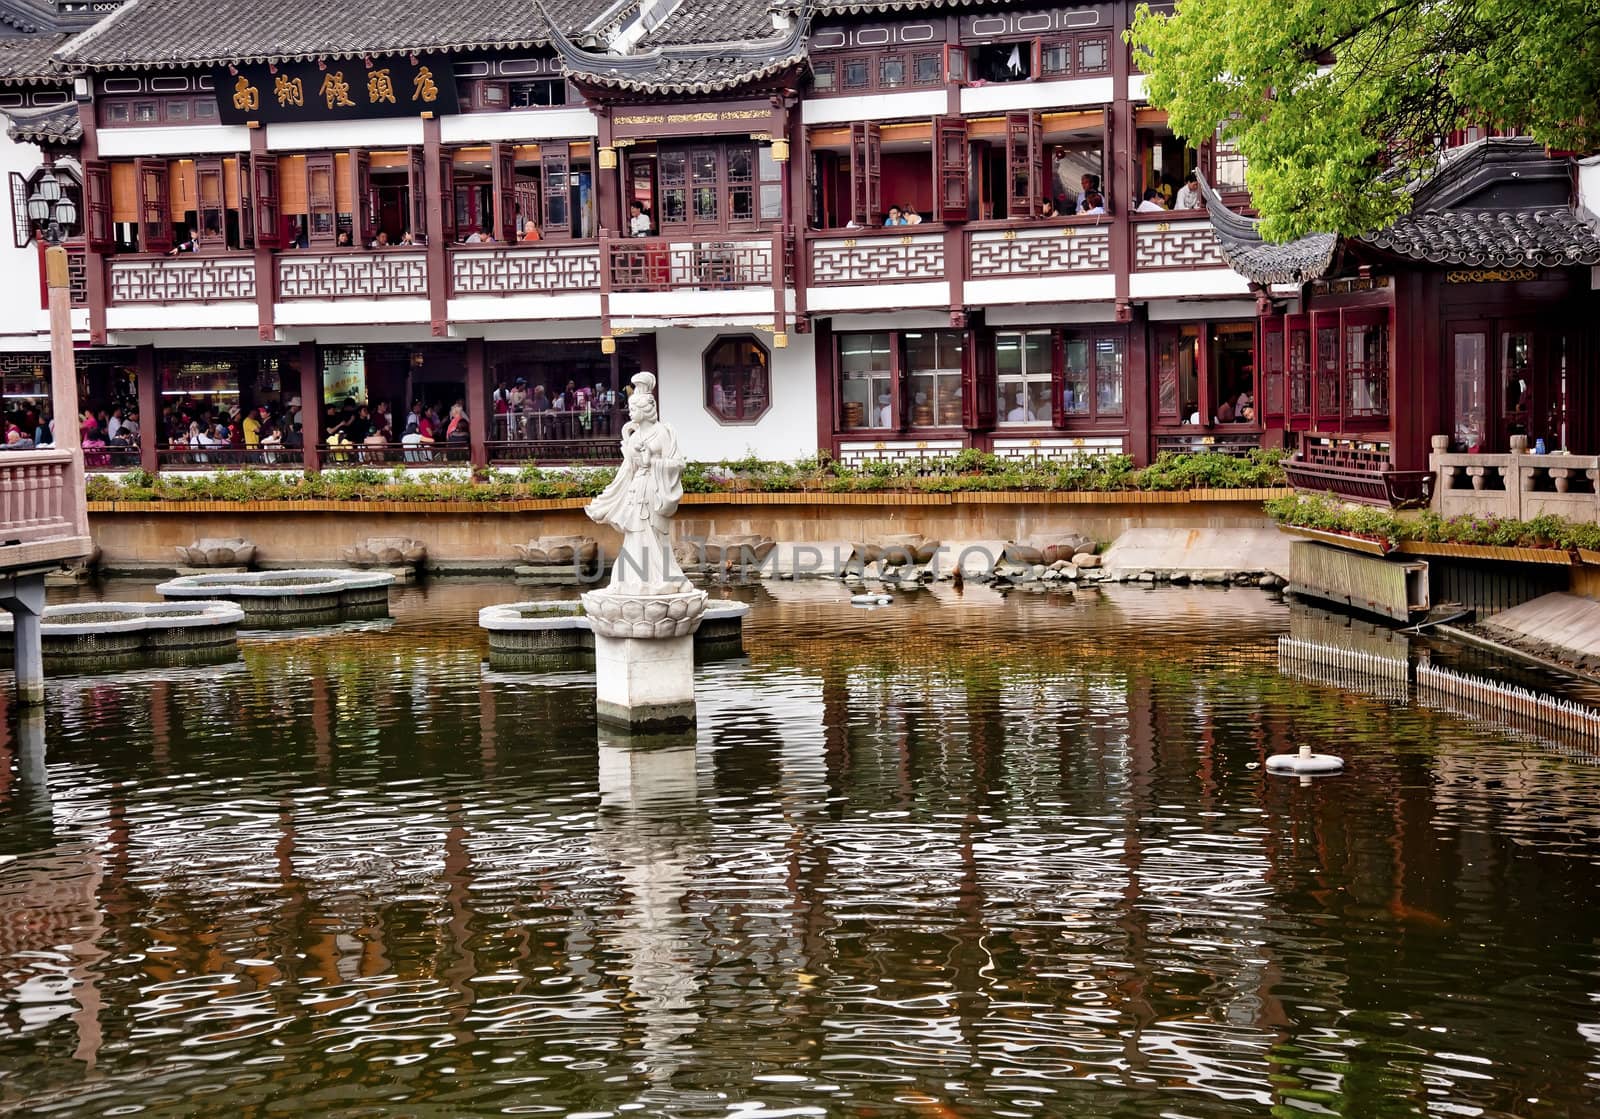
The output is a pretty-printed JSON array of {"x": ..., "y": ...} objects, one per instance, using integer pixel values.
[
  {"x": 266, "y": 261},
  {"x": 1136, "y": 388},
  {"x": 608, "y": 183},
  {"x": 94, "y": 263},
  {"x": 822, "y": 339},
  {"x": 311, "y": 405},
  {"x": 438, "y": 254},
  {"x": 149, "y": 409},
  {"x": 479, "y": 414},
  {"x": 1120, "y": 151}
]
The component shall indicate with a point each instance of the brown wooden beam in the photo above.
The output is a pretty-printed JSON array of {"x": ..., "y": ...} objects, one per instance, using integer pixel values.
[
  {"x": 266, "y": 262},
  {"x": 311, "y": 405},
  {"x": 479, "y": 413},
  {"x": 149, "y": 409},
  {"x": 438, "y": 255},
  {"x": 94, "y": 263}
]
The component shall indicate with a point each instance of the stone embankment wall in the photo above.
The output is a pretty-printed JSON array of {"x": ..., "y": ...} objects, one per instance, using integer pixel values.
[{"x": 467, "y": 535}]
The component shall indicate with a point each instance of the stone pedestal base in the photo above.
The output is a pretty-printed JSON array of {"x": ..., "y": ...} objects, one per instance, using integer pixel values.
[{"x": 644, "y": 684}]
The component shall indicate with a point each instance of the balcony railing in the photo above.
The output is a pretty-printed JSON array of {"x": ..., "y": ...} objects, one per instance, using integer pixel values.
[
  {"x": 537, "y": 269},
  {"x": 873, "y": 256},
  {"x": 1166, "y": 245},
  {"x": 728, "y": 262},
  {"x": 380, "y": 274},
  {"x": 441, "y": 453},
  {"x": 215, "y": 458},
  {"x": 592, "y": 451},
  {"x": 1038, "y": 249},
  {"x": 192, "y": 278}
]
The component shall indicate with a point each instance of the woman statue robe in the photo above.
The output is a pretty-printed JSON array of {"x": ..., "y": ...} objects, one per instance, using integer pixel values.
[{"x": 641, "y": 499}]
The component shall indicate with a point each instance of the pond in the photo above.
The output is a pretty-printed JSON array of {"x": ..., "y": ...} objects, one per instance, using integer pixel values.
[{"x": 967, "y": 855}]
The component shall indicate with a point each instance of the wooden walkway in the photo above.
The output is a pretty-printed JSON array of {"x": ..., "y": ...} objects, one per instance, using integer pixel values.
[{"x": 1564, "y": 625}]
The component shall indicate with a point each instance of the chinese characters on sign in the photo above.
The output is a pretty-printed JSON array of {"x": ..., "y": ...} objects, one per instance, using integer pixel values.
[{"x": 336, "y": 89}]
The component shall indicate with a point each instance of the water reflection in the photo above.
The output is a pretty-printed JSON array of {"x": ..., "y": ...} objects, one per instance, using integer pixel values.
[{"x": 971, "y": 856}]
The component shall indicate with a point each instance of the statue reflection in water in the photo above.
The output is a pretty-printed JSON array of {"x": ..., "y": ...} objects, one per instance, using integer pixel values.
[{"x": 649, "y": 827}]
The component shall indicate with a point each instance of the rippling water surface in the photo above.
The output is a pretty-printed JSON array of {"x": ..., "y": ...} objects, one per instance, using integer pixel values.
[{"x": 966, "y": 856}]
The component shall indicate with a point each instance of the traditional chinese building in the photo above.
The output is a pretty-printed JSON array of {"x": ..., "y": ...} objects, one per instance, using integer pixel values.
[
  {"x": 1470, "y": 319},
  {"x": 353, "y": 195}
]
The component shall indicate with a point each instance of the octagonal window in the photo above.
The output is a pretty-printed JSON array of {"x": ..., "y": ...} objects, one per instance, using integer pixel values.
[{"x": 738, "y": 379}]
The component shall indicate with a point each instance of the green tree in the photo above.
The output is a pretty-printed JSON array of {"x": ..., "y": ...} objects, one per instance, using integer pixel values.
[{"x": 1337, "y": 104}]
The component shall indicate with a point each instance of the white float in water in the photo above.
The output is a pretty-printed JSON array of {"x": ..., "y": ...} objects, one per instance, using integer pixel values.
[
  {"x": 870, "y": 600},
  {"x": 1305, "y": 763}
]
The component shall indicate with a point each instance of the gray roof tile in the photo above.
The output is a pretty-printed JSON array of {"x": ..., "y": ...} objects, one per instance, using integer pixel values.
[
  {"x": 58, "y": 124},
  {"x": 25, "y": 59},
  {"x": 209, "y": 32}
]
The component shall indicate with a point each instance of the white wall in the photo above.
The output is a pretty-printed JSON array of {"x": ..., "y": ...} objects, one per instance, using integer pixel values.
[
  {"x": 21, "y": 317},
  {"x": 787, "y": 431}
]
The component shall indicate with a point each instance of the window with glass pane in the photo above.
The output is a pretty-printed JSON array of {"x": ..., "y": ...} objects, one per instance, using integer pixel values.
[
  {"x": 741, "y": 184},
  {"x": 891, "y": 72},
  {"x": 1022, "y": 377},
  {"x": 1366, "y": 369},
  {"x": 857, "y": 73},
  {"x": 1075, "y": 375},
  {"x": 1471, "y": 390},
  {"x": 674, "y": 170},
  {"x": 927, "y": 69},
  {"x": 933, "y": 358},
  {"x": 1516, "y": 379},
  {"x": 1108, "y": 363},
  {"x": 864, "y": 400},
  {"x": 703, "y": 168},
  {"x": 1327, "y": 372},
  {"x": 1056, "y": 59},
  {"x": 1230, "y": 165},
  {"x": 771, "y": 173},
  {"x": 736, "y": 378},
  {"x": 1093, "y": 55},
  {"x": 1299, "y": 373},
  {"x": 822, "y": 77}
]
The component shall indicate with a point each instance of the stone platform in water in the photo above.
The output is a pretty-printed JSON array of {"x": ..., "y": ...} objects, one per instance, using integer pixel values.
[
  {"x": 559, "y": 629},
  {"x": 294, "y": 597},
  {"x": 86, "y": 635},
  {"x": 1563, "y": 626}
]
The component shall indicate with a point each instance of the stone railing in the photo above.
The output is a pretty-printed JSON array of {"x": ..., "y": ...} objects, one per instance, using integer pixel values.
[
  {"x": 525, "y": 270},
  {"x": 43, "y": 517},
  {"x": 183, "y": 279},
  {"x": 877, "y": 257},
  {"x": 1160, "y": 246},
  {"x": 1517, "y": 486},
  {"x": 379, "y": 274}
]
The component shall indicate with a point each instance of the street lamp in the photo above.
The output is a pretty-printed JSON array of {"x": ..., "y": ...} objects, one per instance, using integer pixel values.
[{"x": 49, "y": 206}]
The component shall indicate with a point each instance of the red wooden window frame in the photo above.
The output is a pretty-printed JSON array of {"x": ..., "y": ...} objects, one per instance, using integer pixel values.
[
  {"x": 212, "y": 212},
  {"x": 322, "y": 194},
  {"x": 1274, "y": 368},
  {"x": 99, "y": 229},
  {"x": 417, "y": 186},
  {"x": 866, "y": 173},
  {"x": 364, "y": 221},
  {"x": 951, "y": 170},
  {"x": 1024, "y": 163},
  {"x": 503, "y": 168},
  {"x": 447, "y": 193},
  {"x": 155, "y": 211},
  {"x": 1297, "y": 370},
  {"x": 268, "y": 205},
  {"x": 555, "y": 168}
]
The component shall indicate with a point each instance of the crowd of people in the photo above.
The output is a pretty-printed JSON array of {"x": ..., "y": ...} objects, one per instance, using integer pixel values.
[
  {"x": 104, "y": 433},
  {"x": 566, "y": 413},
  {"x": 1089, "y": 201}
]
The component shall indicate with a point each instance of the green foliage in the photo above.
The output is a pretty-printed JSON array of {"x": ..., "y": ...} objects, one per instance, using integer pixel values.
[
  {"x": 970, "y": 471},
  {"x": 1369, "y": 523},
  {"x": 1331, "y": 147}
]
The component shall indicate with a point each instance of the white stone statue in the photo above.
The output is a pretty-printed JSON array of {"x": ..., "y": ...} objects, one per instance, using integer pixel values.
[
  {"x": 648, "y": 596},
  {"x": 641, "y": 499}
]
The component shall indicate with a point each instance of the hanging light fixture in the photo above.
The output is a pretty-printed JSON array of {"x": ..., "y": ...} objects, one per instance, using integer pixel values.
[{"x": 50, "y": 187}]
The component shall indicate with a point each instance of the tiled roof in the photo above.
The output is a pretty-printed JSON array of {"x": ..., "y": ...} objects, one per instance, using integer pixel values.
[
  {"x": 25, "y": 59},
  {"x": 705, "y": 66},
  {"x": 1262, "y": 262},
  {"x": 1549, "y": 237},
  {"x": 58, "y": 124},
  {"x": 854, "y": 7},
  {"x": 157, "y": 33},
  {"x": 712, "y": 21}
]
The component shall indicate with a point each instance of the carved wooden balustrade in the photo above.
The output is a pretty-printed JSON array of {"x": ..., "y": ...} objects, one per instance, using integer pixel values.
[
  {"x": 1165, "y": 245},
  {"x": 42, "y": 515},
  {"x": 727, "y": 262},
  {"x": 192, "y": 278},
  {"x": 1038, "y": 250},
  {"x": 380, "y": 274},
  {"x": 875, "y": 256},
  {"x": 544, "y": 268}
]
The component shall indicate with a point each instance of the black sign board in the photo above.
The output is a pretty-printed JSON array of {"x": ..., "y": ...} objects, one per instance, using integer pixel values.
[{"x": 336, "y": 89}]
